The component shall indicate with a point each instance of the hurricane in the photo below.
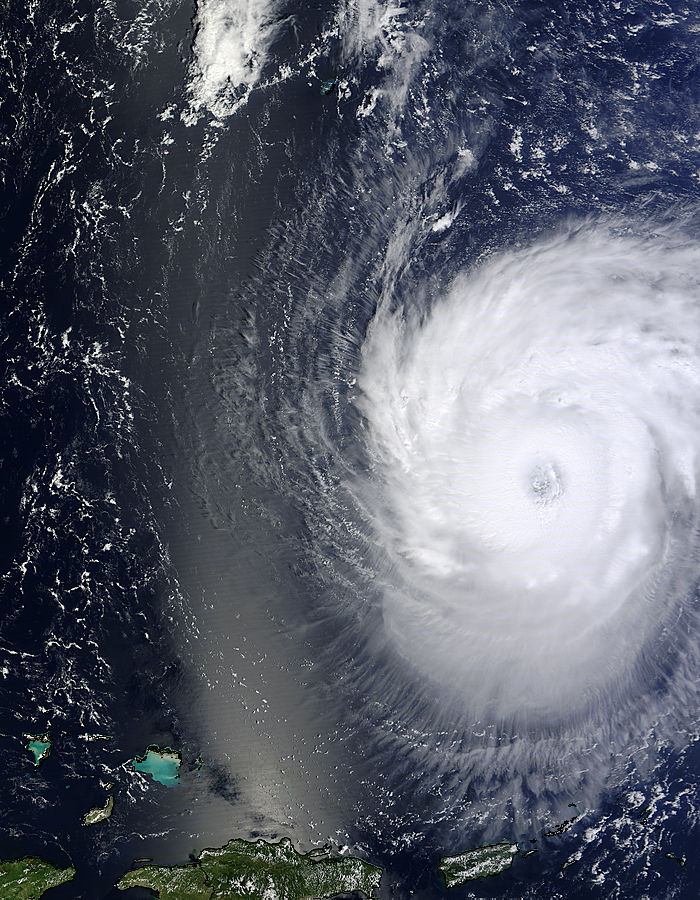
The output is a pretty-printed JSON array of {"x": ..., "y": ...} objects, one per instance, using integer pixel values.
[
  {"x": 492, "y": 465},
  {"x": 534, "y": 444}
]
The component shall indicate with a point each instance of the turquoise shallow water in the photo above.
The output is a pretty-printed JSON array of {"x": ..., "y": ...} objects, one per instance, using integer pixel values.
[
  {"x": 162, "y": 765},
  {"x": 40, "y": 749}
]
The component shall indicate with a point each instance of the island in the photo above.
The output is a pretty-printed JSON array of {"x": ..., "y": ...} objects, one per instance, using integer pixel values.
[
  {"x": 39, "y": 745},
  {"x": 487, "y": 860},
  {"x": 29, "y": 878},
  {"x": 99, "y": 813},
  {"x": 257, "y": 869},
  {"x": 162, "y": 764}
]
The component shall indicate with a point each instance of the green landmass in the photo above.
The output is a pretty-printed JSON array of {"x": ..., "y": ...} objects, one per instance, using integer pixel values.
[
  {"x": 186, "y": 882},
  {"x": 39, "y": 745},
  {"x": 488, "y": 860},
  {"x": 30, "y": 878},
  {"x": 258, "y": 869},
  {"x": 162, "y": 764},
  {"x": 99, "y": 813}
]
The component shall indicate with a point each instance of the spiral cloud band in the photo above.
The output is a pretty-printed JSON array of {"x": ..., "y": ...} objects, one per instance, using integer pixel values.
[{"x": 535, "y": 445}]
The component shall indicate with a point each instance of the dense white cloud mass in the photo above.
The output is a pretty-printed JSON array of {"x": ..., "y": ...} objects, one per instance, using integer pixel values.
[
  {"x": 231, "y": 47},
  {"x": 232, "y": 51},
  {"x": 535, "y": 442}
]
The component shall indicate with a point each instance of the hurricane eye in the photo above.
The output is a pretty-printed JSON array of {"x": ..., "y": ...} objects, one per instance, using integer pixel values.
[{"x": 545, "y": 483}]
